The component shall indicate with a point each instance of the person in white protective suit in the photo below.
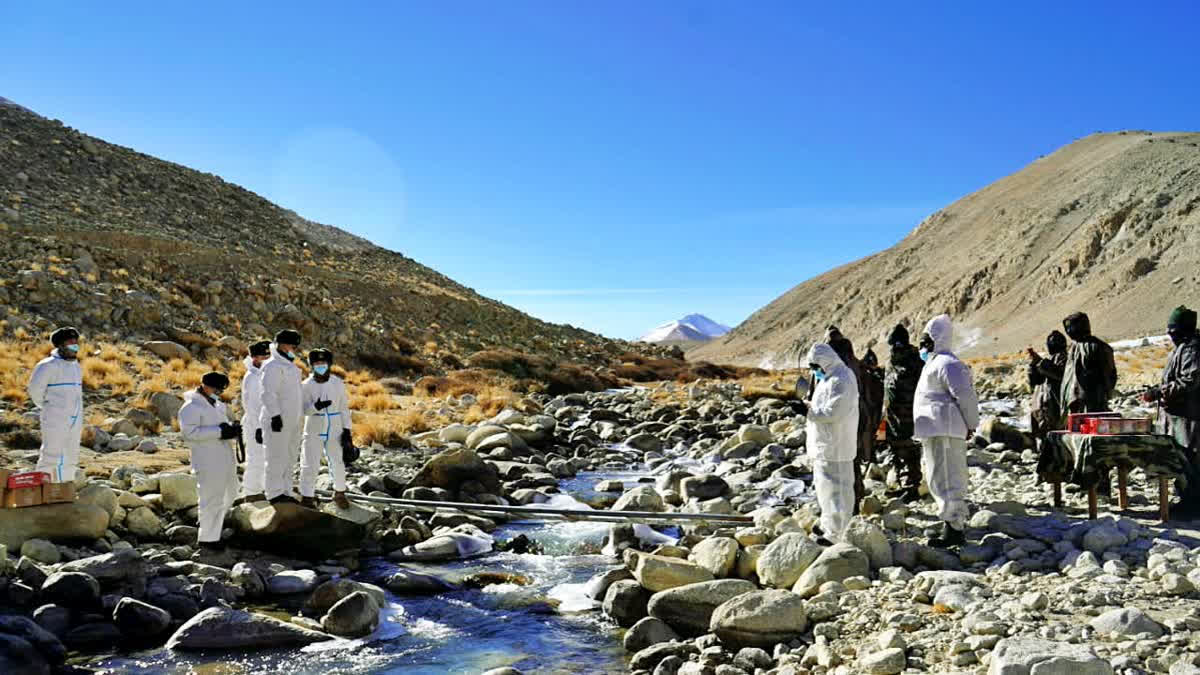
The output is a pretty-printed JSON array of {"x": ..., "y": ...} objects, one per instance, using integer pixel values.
[
  {"x": 281, "y": 415},
  {"x": 56, "y": 388},
  {"x": 945, "y": 416},
  {"x": 832, "y": 431},
  {"x": 254, "y": 481},
  {"x": 326, "y": 429},
  {"x": 205, "y": 426}
]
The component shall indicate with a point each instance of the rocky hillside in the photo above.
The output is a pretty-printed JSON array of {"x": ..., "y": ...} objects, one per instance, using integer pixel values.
[
  {"x": 1109, "y": 224},
  {"x": 133, "y": 247}
]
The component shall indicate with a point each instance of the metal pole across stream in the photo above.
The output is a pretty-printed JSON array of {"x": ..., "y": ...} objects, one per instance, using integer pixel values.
[{"x": 545, "y": 513}]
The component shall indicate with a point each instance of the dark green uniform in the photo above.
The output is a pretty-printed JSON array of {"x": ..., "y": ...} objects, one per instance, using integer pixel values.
[
  {"x": 1045, "y": 411},
  {"x": 1179, "y": 395},
  {"x": 1090, "y": 374},
  {"x": 899, "y": 386}
]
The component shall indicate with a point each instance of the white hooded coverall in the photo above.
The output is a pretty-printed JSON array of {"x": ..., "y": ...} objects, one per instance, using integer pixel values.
[
  {"x": 255, "y": 479},
  {"x": 945, "y": 409},
  {"x": 213, "y": 461},
  {"x": 280, "y": 396},
  {"x": 832, "y": 431},
  {"x": 323, "y": 432},
  {"x": 56, "y": 388}
]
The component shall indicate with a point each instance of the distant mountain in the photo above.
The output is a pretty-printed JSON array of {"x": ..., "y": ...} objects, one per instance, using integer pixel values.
[
  {"x": 691, "y": 328},
  {"x": 1109, "y": 224}
]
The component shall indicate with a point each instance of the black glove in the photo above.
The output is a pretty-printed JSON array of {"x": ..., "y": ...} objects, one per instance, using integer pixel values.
[
  {"x": 800, "y": 407},
  {"x": 321, "y": 405},
  {"x": 277, "y": 423},
  {"x": 229, "y": 431},
  {"x": 347, "y": 439},
  {"x": 1152, "y": 394},
  {"x": 258, "y": 436}
]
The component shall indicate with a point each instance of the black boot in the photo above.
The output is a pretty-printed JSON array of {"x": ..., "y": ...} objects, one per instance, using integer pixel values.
[
  {"x": 950, "y": 537},
  {"x": 284, "y": 499}
]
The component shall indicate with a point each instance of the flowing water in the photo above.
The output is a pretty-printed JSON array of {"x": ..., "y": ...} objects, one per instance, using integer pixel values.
[{"x": 546, "y": 626}]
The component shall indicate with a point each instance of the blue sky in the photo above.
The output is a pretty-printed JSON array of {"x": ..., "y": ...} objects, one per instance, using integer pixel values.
[{"x": 610, "y": 165}]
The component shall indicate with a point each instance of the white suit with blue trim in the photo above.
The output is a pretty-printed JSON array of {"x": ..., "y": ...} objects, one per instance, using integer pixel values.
[
  {"x": 56, "y": 388},
  {"x": 323, "y": 432},
  {"x": 832, "y": 439}
]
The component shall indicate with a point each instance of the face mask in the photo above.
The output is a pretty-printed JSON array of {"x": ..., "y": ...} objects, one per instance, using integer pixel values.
[
  {"x": 924, "y": 354},
  {"x": 74, "y": 349},
  {"x": 819, "y": 375},
  {"x": 290, "y": 356},
  {"x": 321, "y": 369}
]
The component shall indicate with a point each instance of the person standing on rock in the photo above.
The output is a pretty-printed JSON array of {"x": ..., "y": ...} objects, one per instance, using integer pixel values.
[
  {"x": 1090, "y": 375},
  {"x": 281, "y": 416},
  {"x": 56, "y": 388},
  {"x": 945, "y": 415},
  {"x": 255, "y": 479},
  {"x": 1045, "y": 378},
  {"x": 326, "y": 429},
  {"x": 1179, "y": 395},
  {"x": 204, "y": 425},
  {"x": 899, "y": 387},
  {"x": 832, "y": 440}
]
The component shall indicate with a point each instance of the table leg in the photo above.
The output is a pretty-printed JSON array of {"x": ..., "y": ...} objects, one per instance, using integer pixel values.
[
  {"x": 1058, "y": 500},
  {"x": 1164, "y": 500},
  {"x": 1122, "y": 487},
  {"x": 1092, "y": 496}
]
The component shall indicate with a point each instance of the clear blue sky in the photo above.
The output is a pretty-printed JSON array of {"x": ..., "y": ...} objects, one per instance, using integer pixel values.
[{"x": 612, "y": 165}]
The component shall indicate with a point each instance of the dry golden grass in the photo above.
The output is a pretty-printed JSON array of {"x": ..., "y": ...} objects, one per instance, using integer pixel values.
[
  {"x": 376, "y": 403},
  {"x": 392, "y": 430}
]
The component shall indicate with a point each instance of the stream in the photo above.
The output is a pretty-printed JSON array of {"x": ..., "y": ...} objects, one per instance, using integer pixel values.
[{"x": 547, "y": 626}]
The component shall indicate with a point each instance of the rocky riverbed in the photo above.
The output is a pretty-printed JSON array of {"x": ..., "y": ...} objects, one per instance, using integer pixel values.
[{"x": 113, "y": 582}]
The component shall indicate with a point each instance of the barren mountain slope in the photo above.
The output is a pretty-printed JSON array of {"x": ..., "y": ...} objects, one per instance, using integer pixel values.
[
  {"x": 124, "y": 244},
  {"x": 1109, "y": 224}
]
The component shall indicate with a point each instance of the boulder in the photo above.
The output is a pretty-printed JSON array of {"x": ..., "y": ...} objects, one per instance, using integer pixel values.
[
  {"x": 354, "y": 616},
  {"x": 139, "y": 620},
  {"x": 648, "y": 631},
  {"x": 41, "y": 551},
  {"x": 165, "y": 406},
  {"x": 641, "y": 498},
  {"x": 658, "y": 573},
  {"x": 644, "y": 442},
  {"x": 72, "y": 589},
  {"x": 225, "y": 628},
  {"x": 92, "y": 636},
  {"x": 18, "y": 656},
  {"x": 249, "y": 579},
  {"x": 451, "y": 468},
  {"x": 872, "y": 540},
  {"x": 688, "y": 609},
  {"x": 23, "y": 628},
  {"x": 702, "y": 487},
  {"x": 760, "y": 619},
  {"x": 625, "y": 602},
  {"x": 455, "y": 433},
  {"x": 54, "y": 619},
  {"x": 783, "y": 561},
  {"x": 58, "y": 523},
  {"x": 292, "y": 582},
  {"x": 1125, "y": 623},
  {"x": 836, "y": 563},
  {"x": 334, "y": 591},
  {"x": 110, "y": 568},
  {"x": 449, "y": 546},
  {"x": 100, "y": 495},
  {"x": 890, "y": 661},
  {"x": 178, "y": 491},
  {"x": 167, "y": 350},
  {"x": 143, "y": 522},
  {"x": 597, "y": 586},
  {"x": 718, "y": 555},
  {"x": 292, "y": 530},
  {"x": 408, "y": 582},
  {"x": 1023, "y": 655}
]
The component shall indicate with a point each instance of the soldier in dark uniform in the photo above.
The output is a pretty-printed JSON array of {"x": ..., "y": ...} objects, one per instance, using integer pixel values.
[
  {"x": 873, "y": 377},
  {"x": 1090, "y": 374},
  {"x": 1045, "y": 378},
  {"x": 899, "y": 385},
  {"x": 1179, "y": 395}
]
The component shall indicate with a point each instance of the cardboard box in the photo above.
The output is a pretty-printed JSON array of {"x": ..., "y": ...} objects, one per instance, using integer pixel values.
[
  {"x": 21, "y": 497},
  {"x": 58, "y": 493},
  {"x": 27, "y": 479}
]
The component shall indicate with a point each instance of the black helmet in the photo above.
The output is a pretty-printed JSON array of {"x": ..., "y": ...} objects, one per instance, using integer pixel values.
[
  {"x": 261, "y": 348},
  {"x": 287, "y": 337},
  {"x": 215, "y": 380},
  {"x": 321, "y": 354},
  {"x": 59, "y": 337}
]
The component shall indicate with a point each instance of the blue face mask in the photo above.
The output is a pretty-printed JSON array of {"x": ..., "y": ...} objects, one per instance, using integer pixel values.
[
  {"x": 321, "y": 369},
  {"x": 819, "y": 375},
  {"x": 74, "y": 349},
  {"x": 924, "y": 354}
]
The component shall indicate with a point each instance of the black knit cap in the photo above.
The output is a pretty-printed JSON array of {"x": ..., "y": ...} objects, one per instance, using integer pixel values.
[
  {"x": 261, "y": 348},
  {"x": 320, "y": 354},
  {"x": 899, "y": 335},
  {"x": 287, "y": 337},
  {"x": 60, "y": 336},
  {"x": 215, "y": 380}
]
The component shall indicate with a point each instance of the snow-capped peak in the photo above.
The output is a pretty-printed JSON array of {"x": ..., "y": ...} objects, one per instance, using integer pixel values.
[{"x": 692, "y": 328}]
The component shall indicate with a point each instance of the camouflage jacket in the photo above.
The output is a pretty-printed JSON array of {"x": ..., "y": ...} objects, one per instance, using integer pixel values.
[{"x": 899, "y": 387}]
